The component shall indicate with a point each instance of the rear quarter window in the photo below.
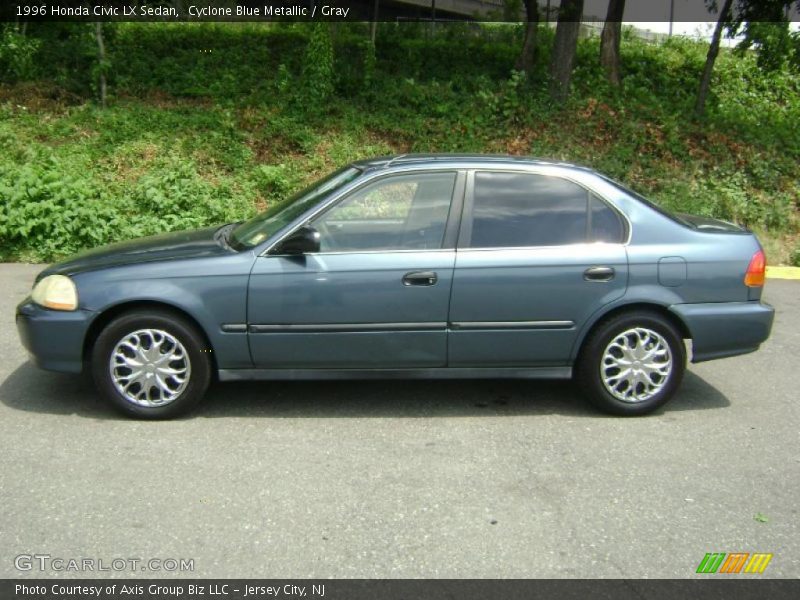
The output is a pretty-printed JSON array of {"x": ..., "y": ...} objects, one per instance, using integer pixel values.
[{"x": 605, "y": 224}]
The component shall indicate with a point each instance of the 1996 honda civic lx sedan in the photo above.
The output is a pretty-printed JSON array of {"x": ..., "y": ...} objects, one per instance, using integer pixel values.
[{"x": 415, "y": 266}]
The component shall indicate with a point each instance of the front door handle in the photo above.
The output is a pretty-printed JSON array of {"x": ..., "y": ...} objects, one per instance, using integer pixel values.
[
  {"x": 599, "y": 274},
  {"x": 420, "y": 278}
]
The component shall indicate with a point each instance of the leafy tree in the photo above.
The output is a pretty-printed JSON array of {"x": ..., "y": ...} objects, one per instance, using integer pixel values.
[
  {"x": 771, "y": 40},
  {"x": 563, "y": 57},
  {"x": 610, "y": 41},
  {"x": 765, "y": 25},
  {"x": 318, "y": 65}
]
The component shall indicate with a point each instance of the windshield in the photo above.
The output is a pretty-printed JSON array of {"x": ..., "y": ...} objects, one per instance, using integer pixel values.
[{"x": 264, "y": 225}]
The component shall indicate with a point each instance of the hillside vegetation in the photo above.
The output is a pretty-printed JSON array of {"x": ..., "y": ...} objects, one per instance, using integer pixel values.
[{"x": 209, "y": 123}]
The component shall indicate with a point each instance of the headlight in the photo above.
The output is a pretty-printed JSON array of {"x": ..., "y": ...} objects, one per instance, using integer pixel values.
[{"x": 56, "y": 292}]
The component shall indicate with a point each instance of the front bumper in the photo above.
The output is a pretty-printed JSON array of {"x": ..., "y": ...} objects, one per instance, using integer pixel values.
[
  {"x": 722, "y": 329},
  {"x": 54, "y": 338}
]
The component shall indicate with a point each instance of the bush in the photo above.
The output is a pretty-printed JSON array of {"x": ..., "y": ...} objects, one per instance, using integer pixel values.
[
  {"x": 17, "y": 55},
  {"x": 317, "y": 79},
  {"x": 51, "y": 212}
]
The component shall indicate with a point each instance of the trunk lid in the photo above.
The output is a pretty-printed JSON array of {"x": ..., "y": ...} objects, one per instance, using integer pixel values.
[{"x": 710, "y": 225}]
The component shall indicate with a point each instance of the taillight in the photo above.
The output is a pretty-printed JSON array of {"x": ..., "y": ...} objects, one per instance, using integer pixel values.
[{"x": 756, "y": 270}]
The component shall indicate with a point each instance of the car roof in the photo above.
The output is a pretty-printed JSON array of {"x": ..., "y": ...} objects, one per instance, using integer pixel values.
[{"x": 439, "y": 160}]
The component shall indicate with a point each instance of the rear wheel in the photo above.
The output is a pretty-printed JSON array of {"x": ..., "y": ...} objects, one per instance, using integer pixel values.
[
  {"x": 632, "y": 363},
  {"x": 152, "y": 365}
]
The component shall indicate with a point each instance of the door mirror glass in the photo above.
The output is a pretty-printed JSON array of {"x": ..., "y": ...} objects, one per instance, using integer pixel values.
[{"x": 303, "y": 241}]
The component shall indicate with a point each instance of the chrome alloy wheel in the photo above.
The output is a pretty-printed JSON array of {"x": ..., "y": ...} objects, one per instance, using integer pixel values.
[
  {"x": 150, "y": 367},
  {"x": 636, "y": 365}
]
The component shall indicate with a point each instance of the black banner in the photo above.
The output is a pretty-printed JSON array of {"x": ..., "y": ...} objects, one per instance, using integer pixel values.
[
  {"x": 711, "y": 587},
  {"x": 340, "y": 10}
]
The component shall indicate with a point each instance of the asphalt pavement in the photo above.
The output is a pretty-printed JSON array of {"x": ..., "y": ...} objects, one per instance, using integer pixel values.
[{"x": 404, "y": 479}]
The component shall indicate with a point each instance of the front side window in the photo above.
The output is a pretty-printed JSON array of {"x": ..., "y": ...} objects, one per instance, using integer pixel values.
[
  {"x": 524, "y": 209},
  {"x": 404, "y": 212}
]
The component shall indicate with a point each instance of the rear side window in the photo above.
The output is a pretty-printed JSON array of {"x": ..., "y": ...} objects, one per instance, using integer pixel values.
[
  {"x": 524, "y": 209},
  {"x": 605, "y": 224}
]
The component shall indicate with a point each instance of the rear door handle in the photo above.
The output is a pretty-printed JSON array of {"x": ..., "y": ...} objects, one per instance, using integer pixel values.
[
  {"x": 599, "y": 274},
  {"x": 420, "y": 278}
]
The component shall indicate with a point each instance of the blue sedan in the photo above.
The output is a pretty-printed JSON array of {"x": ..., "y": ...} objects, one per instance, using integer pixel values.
[{"x": 415, "y": 266}]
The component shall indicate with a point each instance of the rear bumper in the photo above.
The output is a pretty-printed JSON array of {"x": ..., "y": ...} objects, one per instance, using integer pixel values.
[
  {"x": 54, "y": 338},
  {"x": 724, "y": 329}
]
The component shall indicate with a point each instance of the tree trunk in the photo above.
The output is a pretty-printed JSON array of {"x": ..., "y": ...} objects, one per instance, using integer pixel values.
[
  {"x": 566, "y": 42},
  {"x": 711, "y": 57},
  {"x": 101, "y": 57},
  {"x": 610, "y": 40},
  {"x": 528, "y": 55}
]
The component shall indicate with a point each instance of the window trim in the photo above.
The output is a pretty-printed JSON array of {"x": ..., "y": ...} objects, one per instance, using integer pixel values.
[
  {"x": 465, "y": 232},
  {"x": 453, "y": 215}
]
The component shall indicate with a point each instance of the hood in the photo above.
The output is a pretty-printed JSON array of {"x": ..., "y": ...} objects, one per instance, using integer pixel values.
[
  {"x": 168, "y": 246},
  {"x": 711, "y": 225}
]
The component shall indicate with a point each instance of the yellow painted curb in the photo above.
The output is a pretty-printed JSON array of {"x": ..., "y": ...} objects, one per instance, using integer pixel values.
[{"x": 783, "y": 272}]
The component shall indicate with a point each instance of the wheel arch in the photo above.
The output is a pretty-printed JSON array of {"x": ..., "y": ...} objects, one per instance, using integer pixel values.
[
  {"x": 110, "y": 313},
  {"x": 612, "y": 312}
]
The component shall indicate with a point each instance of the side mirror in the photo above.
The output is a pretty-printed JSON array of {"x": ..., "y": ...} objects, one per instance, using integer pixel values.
[{"x": 302, "y": 241}]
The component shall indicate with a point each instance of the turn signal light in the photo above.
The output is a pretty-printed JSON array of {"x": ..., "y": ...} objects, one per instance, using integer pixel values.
[{"x": 756, "y": 270}]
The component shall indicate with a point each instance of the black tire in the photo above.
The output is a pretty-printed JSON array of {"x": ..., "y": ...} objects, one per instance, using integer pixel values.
[
  {"x": 590, "y": 368},
  {"x": 194, "y": 349}
]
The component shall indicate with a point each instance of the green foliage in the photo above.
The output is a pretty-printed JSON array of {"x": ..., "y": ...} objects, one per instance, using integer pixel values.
[
  {"x": 728, "y": 196},
  {"x": 773, "y": 43},
  {"x": 448, "y": 51},
  {"x": 794, "y": 259},
  {"x": 17, "y": 55},
  {"x": 284, "y": 80},
  {"x": 212, "y": 122},
  {"x": 510, "y": 103},
  {"x": 761, "y": 106},
  {"x": 370, "y": 62},
  {"x": 761, "y": 518},
  {"x": 272, "y": 181},
  {"x": 51, "y": 212},
  {"x": 52, "y": 208},
  {"x": 318, "y": 76}
]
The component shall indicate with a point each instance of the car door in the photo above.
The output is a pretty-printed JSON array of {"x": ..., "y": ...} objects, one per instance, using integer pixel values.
[
  {"x": 376, "y": 295},
  {"x": 537, "y": 255}
]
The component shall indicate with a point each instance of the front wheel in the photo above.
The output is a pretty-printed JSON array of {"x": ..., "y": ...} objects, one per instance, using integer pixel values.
[
  {"x": 151, "y": 365},
  {"x": 632, "y": 363}
]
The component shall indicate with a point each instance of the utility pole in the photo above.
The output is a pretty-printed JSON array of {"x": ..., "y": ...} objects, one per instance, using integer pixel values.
[
  {"x": 671, "y": 15},
  {"x": 374, "y": 25}
]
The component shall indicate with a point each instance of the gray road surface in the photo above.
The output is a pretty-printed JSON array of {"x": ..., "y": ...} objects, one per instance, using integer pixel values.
[{"x": 406, "y": 479}]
